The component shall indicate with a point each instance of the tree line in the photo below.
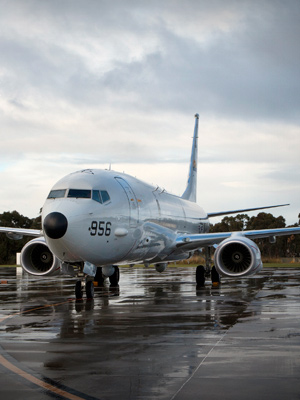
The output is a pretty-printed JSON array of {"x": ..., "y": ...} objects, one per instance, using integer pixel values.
[
  {"x": 285, "y": 246},
  {"x": 8, "y": 247}
]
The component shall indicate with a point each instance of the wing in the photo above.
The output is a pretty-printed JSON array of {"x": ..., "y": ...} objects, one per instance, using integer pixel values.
[
  {"x": 192, "y": 242},
  {"x": 219, "y": 213},
  {"x": 18, "y": 233}
]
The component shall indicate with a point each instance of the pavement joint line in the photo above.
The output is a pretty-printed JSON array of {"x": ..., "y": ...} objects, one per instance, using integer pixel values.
[{"x": 200, "y": 364}]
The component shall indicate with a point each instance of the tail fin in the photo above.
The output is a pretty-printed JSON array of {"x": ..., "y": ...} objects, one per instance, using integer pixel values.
[{"x": 190, "y": 192}]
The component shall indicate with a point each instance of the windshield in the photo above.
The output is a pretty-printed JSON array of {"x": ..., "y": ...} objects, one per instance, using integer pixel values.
[
  {"x": 80, "y": 193},
  {"x": 56, "y": 194},
  {"x": 101, "y": 196}
]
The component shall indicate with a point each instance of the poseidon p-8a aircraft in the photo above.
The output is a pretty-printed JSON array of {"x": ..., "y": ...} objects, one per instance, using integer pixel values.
[{"x": 95, "y": 220}]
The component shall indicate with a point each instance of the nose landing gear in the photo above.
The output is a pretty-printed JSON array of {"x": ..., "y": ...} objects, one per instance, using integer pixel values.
[
  {"x": 98, "y": 280},
  {"x": 78, "y": 290},
  {"x": 89, "y": 290}
]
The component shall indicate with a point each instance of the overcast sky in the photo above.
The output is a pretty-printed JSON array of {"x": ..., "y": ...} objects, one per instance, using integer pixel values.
[{"x": 89, "y": 83}]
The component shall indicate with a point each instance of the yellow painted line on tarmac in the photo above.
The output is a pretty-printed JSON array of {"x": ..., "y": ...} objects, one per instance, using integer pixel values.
[
  {"x": 11, "y": 367},
  {"x": 37, "y": 381}
]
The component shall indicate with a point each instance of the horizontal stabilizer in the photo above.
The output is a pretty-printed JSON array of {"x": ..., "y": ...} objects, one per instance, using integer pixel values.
[{"x": 217, "y": 214}]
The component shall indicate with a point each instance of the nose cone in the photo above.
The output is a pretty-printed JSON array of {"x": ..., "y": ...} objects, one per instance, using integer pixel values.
[{"x": 55, "y": 225}]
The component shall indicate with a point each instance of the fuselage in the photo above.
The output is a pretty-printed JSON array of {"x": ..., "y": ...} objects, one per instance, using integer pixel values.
[{"x": 114, "y": 218}]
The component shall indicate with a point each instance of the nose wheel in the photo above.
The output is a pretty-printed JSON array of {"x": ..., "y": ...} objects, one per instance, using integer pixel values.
[
  {"x": 89, "y": 290},
  {"x": 78, "y": 290},
  {"x": 88, "y": 285}
]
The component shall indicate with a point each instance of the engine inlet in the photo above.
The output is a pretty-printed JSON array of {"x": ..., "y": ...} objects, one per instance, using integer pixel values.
[{"x": 236, "y": 257}]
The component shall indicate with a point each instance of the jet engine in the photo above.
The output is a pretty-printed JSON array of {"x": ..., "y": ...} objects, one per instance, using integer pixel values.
[
  {"x": 237, "y": 256},
  {"x": 37, "y": 259}
]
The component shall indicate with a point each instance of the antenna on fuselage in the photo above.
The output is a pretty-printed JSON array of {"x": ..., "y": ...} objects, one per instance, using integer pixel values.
[{"x": 190, "y": 192}]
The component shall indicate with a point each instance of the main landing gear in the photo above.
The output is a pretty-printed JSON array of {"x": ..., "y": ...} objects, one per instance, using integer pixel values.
[
  {"x": 89, "y": 284},
  {"x": 205, "y": 272},
  {"x": 202, "y": 274}
]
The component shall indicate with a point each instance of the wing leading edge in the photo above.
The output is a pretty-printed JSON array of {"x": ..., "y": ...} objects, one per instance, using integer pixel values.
[
  {"x": 193, "y": 242},
  {"x": 18, "y": 233}
]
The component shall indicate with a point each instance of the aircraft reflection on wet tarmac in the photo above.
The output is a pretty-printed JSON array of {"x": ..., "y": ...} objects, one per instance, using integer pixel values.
[{"x": 154, "y": 337}]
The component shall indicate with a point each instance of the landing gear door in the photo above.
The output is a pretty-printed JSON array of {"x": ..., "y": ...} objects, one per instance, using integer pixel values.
[{"x": 133, "y": 204}]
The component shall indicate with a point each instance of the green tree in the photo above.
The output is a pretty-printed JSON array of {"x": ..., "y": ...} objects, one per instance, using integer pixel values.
[
  {"x": 265, "y": 221},
  {"x": 293, "y": 243},
  {"x": 9, "y": 247},
  {"x": 230, "y": 224},
  {"x": 268, "y": 221},
  {"x": 285, "y": 245}
]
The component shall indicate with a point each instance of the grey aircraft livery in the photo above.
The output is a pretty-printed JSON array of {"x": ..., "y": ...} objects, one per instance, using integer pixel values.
[{"x": 95, "y": 220}]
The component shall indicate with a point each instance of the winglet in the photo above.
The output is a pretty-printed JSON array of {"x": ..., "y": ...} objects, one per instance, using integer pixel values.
[{"x": 190, "y": 192}]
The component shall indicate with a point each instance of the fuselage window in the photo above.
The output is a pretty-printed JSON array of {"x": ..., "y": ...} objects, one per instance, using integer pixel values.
[
  {"x": 80, "y": 193},
  {"x": 57, "y": 194}
]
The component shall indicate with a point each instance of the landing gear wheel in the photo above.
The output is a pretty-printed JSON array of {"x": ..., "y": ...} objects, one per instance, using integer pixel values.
[
  {"x": 89, "y": 290},
  {"x": 99, "y": 277},
  {"x": 78, "y": 290},
  {"x": 114, "y": 278},
  {"x": 200, "y": 276},
  {"x": 215, "y": 277}
]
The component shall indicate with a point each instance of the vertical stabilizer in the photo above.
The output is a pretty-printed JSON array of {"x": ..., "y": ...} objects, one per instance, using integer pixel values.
[{"x": 190, "y": 192}]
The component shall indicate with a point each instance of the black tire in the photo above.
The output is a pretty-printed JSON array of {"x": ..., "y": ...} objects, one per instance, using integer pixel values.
[
  {"x": 99, "y": 277},
  {"x": 78, "y": 290},
  {"x": 215, "y": 277},
  {"x": 89, "y": 290},
  {"x": 200, "y": 275},
  {"x": 115, "y": 277}
]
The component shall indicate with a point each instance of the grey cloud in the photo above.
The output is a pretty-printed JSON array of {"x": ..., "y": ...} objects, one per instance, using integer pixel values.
[
  {"x": 285, "y": 175},
  {"x": 250, "y": 71}
]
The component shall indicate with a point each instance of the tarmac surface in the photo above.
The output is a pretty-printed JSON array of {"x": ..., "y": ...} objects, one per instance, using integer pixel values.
[{"x": 156, "y": 337}]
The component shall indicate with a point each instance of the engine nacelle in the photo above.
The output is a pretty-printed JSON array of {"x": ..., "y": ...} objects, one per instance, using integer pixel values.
[
  {"x": 37, "y": 259},
  {"x": 237, "y": 256}
]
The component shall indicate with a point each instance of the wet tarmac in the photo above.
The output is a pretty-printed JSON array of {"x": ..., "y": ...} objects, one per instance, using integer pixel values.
[{"x": 156, "y": 337}]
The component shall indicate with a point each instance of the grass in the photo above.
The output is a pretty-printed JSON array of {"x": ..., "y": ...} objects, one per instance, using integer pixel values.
[{"x": 281, "y": 265}]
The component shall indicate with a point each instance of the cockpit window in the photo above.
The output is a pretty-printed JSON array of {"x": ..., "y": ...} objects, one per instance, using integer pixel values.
[
  {"x": 57, "y": 194},
  {"x": 105, "y": 196},
  {"x": 96, "y": 196},
  {"x": 101, "y": 196},
  {"x": 80, "y": 193}
]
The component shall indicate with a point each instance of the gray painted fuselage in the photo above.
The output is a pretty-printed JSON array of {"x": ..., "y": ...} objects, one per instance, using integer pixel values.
[{"x": 139, "y": 224}]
